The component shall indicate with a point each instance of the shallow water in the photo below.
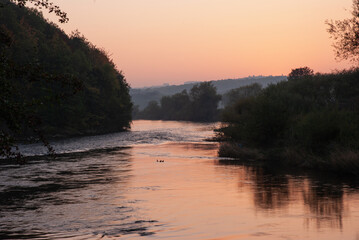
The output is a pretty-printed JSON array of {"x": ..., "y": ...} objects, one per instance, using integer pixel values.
[{"x": 113, "y": 187}]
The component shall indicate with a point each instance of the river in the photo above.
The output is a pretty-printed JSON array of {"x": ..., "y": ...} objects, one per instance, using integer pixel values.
[{"x": 161, "y": 180}]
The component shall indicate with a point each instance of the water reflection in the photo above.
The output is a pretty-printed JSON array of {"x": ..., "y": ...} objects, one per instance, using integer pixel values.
[
  {"x": 270, "y": 192},
  {"x": 118, "y": 192},
  {"x": 80, "y": 194},
  {"x": 274, "y": 192},
  {"x": 325, "y": 202}
]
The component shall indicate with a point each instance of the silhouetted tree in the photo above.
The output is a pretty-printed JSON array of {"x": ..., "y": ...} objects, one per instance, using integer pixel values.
[
  {"x": 300, "y": 72},
  {"x": 151, "y": 112},
  {"x": 232, "y": 96},
  {"x": 46, "y": 4},
  {"x": 15, "y": 113},
  {"x": 201, "y": 105},
  {"x": 41, "y": 69},
  {"x": 205, "y": 101},
  {"x": 176, "y": 107},
  {"x": 346, "y": 35}
]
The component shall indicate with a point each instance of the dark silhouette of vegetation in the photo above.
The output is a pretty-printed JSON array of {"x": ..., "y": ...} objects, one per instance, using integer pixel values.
[
  {"x": 200, "y": 105},
  {"x": 321, "y": 194},
  {"x": 151, "y": 112},
  {"x": 236, "y": 94},
  {"x": 142, "y": 96},
  {"x": 44, "y": 4},
  {"x": 346, "y": 35},
  {"x": 300, "y": 72},
  {"x": 310, "y": 120},
  {"x": 204, "y": 102},
  {"x": 313, "y": 121},
  {"x": 176, "y": 106},
  {"x": 53, "y": 84}
]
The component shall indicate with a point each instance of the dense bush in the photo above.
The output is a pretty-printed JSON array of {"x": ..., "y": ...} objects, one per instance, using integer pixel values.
[{"x": 315, "y": 113}]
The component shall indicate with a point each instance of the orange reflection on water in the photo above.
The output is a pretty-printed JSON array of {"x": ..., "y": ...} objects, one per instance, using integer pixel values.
[{"x": 194, "y": 196}]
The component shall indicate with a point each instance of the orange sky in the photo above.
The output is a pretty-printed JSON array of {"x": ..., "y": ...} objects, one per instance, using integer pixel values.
[{"x": 174, "y": 41}]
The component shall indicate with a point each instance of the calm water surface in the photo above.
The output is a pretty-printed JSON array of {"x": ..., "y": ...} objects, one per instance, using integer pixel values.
[{"x": 112, "y": 187}]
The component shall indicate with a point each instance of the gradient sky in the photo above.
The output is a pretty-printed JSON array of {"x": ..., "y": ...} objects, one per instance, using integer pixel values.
[{"x": 174, "y": 41}]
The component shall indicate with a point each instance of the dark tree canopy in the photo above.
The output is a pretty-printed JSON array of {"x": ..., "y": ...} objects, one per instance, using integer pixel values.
[
  {"x": 300, "y": 72},
  {"x": 16, "y": 112},
  {"x": 176, "y": 106},
  {"x": 346, "y": 35},
  {"x": 200, "y": 105},
  {"x": 52, "y": 84},
  {"x": 205, "y": 102},
  {"x": 315, "y": 113},
  {"x": 234, "y": 95}
]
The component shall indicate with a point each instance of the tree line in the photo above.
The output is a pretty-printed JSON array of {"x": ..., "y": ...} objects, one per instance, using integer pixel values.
[
  {"x": 200, "y": 105},
  {"x": 54, "y": 84},
  {"x": 311, "y": 119}
]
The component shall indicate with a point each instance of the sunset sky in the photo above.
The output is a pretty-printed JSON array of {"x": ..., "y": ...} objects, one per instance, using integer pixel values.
[{"x": 173, "y": 41}]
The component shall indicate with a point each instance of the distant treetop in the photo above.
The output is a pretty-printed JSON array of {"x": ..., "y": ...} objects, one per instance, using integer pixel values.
[{"x": 300, "y": 72}]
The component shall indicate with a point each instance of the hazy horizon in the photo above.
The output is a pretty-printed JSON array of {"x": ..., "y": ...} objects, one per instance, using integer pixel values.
[
  {"x": 157, "y": 42},
  {"x": 165, "y": 84}
]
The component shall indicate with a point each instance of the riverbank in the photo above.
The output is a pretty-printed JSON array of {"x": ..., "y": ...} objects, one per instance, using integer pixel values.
[
  {"x": 338, "y": 161},
  {"x": 309, "y": 121}
]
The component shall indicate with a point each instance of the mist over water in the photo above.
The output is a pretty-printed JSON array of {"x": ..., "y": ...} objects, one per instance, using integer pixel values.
[{"x": 163, "y": 181}]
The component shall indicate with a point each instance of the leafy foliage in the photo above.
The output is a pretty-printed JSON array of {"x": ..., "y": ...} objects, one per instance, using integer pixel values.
[
  {"x": 314, "y": 113},
  {"x": 346, "y": 35},
  {"x": 55, "y": 84}
]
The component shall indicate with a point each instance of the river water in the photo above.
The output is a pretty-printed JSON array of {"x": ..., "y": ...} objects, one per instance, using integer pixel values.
[{"x": 161, "y": 180}]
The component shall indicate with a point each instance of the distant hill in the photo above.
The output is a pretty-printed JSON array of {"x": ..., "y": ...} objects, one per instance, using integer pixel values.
[{"x": 141, "y": 96}]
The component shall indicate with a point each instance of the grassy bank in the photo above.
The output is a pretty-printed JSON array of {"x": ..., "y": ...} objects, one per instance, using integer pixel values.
[{"x": 309, "y": 121}]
